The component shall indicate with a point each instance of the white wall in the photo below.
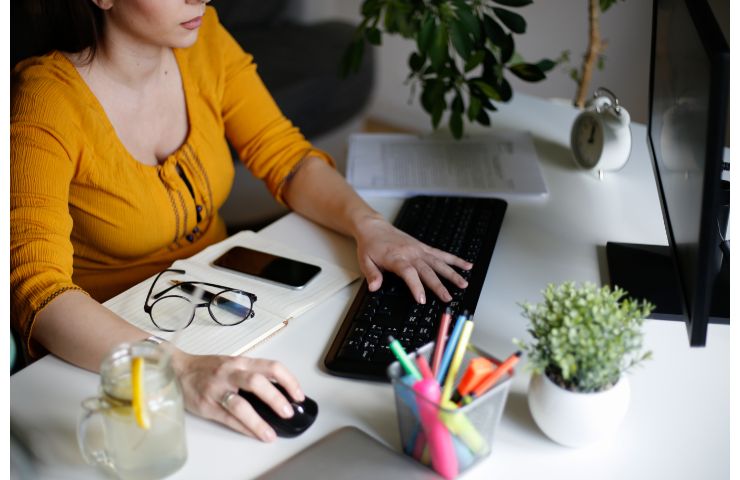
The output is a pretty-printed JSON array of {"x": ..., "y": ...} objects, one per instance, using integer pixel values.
[{"x": 553, "y": 26}]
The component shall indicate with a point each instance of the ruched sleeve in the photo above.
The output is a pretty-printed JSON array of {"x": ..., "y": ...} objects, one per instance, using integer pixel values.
[
  {"x": 267, "y": 142},
  {"x": 41, "y": 169}
]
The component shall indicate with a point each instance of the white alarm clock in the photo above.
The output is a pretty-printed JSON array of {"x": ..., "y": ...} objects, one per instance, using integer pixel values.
[{"x": 600, "y": 137}]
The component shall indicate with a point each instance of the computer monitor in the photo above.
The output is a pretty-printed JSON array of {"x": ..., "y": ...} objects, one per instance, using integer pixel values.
[{"x": 687, "y": 131}]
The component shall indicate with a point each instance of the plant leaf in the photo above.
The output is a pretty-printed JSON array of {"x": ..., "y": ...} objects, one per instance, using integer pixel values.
[
  {"x": 507, "y": 48},
  {"x": 458, "y": 106},
  {"x": 605, "y": 4},
  {"x": 416, "y": 62},
  {"x": 527, "y": 72},
  {"x": 460, "y": 39},
  {"x": 438, "y": 52},
  {"x": 390, "y": 20},
  {"x": 487, "y": 89},
  {"x": 545, "y": 65},
  {"x": 373, "y": 35},
  {"x": 504, "y": 89},
  {"x": 468, "y": 19},
  {"x": 483, "y": 118},
  {"x": 456, "y": 124},
  {"x": 352, "y": 57},
  {"x": 519, "y": 3},
  {"x": 513, "y": 21},
  {"x": 474, "y": 60},
  {"x": 474, "y": 108},
  {"x": 493, "y": 30},
  {"x": 424, "y": 40},
  {"x": 437, "y": 111},
  {"x": 371, "y": 8}
]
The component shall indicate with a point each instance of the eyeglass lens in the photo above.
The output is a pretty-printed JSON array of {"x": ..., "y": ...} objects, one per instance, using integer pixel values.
[
  {"x": 172, "y": 313},
  {"x": 175, "y": 310}
]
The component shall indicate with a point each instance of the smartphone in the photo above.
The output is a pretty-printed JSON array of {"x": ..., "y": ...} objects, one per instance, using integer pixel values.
[{"x": 266, "y": 266}]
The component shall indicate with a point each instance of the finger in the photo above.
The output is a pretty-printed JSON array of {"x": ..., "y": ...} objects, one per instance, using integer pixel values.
[
  {"x": 371, "y": 273},
  {"x": 264, "y": 389},
  {"x": 217, "y": 412},
  {"x": 431, "y": 280},
  {"x": 277, "y": 372},
  {"x": 411, "y": 276},
  {"x": 449, "y": 273},
  {"x": 241, "y": 412},
  {"x": 451, "y": 259},
  {"x": 273, "y": 370}
]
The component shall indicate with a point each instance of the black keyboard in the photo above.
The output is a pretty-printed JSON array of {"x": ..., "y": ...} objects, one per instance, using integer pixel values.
[{"x": 467, "y": 227}]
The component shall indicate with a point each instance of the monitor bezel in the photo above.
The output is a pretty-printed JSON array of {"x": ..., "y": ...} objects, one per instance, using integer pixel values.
[{"x": 696, "y": 313}]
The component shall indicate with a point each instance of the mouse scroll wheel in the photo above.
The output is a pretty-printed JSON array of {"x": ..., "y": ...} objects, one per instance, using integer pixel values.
[{"x": 299, "y": 409}]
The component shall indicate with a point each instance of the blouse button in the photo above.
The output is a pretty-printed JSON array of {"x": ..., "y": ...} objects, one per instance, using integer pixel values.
[
  {"x": 199, "y": 208},
  {"x": 196, "y": 230},
  {"x": 190, "y": 238}
]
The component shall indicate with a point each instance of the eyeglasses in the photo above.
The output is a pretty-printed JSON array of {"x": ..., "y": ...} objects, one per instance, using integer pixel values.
[{"x": 171, "y": 311}]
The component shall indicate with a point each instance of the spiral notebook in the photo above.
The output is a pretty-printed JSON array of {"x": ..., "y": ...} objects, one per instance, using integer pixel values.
[{"x": 274, "y": 308}]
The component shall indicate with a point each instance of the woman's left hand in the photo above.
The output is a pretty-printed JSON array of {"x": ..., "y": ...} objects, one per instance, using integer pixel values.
[{"x": 381, "y": 246}]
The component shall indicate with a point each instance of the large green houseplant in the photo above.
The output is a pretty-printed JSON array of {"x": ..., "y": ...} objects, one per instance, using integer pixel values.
[
  {"x": 584, "y": 339},
  {"x": 463, "y": 50}
]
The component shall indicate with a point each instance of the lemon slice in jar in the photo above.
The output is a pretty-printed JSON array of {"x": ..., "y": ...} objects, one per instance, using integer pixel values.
[{"x": 138, "y": 394}]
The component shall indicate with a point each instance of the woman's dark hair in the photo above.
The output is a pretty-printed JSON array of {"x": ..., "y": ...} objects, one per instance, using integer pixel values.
[{"x": 40, "y": 26}]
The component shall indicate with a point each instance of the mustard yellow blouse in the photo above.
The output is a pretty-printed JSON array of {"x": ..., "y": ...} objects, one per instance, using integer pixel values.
[{"x": 84, "y": 214}]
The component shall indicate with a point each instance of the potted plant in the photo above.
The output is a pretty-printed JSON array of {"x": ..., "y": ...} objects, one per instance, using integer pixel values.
[
  {"x": 584, "y": 339},
  {"x": 463, "y": 50}
]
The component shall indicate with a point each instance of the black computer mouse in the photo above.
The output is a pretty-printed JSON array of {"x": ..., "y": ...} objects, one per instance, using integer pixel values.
[{"x": 304, "y": 413}]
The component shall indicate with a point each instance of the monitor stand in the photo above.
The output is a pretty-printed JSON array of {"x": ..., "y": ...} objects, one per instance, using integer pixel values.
[{"x": 646, "y": 271}]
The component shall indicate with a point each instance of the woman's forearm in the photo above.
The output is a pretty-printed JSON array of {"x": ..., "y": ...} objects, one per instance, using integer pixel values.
[
  {"x": 81, "y": 331},
  {"x": 320, "y": 193}
]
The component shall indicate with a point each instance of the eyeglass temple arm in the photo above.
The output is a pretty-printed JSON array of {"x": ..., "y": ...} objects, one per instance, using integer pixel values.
[{"x": 151, "y": 287}]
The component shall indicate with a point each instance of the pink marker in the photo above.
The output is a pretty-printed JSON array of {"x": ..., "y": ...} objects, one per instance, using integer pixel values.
[{"x": 440, "y": 443}]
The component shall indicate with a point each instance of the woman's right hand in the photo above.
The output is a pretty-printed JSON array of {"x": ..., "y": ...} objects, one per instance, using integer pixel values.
[{"x": 206, "y": 381}]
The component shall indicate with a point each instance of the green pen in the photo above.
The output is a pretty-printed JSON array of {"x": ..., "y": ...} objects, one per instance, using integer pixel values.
[{"x": 403, "y": 358}]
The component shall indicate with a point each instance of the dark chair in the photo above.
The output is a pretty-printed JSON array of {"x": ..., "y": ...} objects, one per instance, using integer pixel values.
[{"x": 299, "y": 63}]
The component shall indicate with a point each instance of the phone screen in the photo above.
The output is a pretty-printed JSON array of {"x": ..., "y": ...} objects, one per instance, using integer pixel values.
[{"x": 281, "y": 270}]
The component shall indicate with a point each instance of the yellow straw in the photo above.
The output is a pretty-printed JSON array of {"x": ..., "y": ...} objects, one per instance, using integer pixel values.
[{"x": 138, "y": 399}]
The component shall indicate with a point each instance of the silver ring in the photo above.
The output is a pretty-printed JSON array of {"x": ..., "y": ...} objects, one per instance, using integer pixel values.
[{"x": 226, "y": 399}]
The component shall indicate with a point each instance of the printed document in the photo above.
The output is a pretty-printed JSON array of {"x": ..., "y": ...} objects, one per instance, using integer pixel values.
[{"x": 497, "y": 164}]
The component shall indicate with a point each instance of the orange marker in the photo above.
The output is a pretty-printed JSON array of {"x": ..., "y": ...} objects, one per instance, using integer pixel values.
[
  {"x": 478, "y": 369},
  {"x": 494, "y": 377}
]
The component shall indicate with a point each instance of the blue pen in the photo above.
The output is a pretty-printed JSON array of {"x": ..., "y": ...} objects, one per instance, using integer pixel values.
[{"x": 450, "y": 347}]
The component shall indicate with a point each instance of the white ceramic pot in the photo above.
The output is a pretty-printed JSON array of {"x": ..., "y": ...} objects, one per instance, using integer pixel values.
[{"x": 577, "y": 419}]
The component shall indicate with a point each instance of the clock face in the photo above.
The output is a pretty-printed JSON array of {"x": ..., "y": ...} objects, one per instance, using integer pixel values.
[{"x": 587, "y": 140}]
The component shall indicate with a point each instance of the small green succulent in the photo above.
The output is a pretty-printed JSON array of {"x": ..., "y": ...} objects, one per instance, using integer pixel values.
[{"x": 583, "y": 336}]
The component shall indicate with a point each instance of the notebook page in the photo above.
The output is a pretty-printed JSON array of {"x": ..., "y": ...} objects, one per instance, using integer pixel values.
[
  {"x": 274, "y": 307},
  {"x": 203, "y": 336}
]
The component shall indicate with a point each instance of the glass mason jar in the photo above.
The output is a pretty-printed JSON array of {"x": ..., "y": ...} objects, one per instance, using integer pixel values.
[{"x": 128, "y": 449}]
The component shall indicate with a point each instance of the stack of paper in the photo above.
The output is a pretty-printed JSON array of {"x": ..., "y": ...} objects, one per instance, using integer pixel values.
[{"x": 501, "y": 164}]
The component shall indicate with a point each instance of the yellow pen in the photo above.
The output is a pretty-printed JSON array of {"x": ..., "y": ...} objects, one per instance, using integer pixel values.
[{"x": 457, "y": 358}]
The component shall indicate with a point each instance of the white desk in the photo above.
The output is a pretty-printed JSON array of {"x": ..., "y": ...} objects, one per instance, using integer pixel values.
[{"x": 678, "y": 423}]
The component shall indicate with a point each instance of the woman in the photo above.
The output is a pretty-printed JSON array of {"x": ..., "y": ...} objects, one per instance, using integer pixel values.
[{"x": 119, "y": 166}]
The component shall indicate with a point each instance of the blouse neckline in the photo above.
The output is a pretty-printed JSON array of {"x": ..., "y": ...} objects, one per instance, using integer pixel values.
[{"x": 185, "y": 81}]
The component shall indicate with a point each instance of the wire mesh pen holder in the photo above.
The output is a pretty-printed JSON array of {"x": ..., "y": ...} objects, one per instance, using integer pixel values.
[{"x": 464, "y": 433}]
